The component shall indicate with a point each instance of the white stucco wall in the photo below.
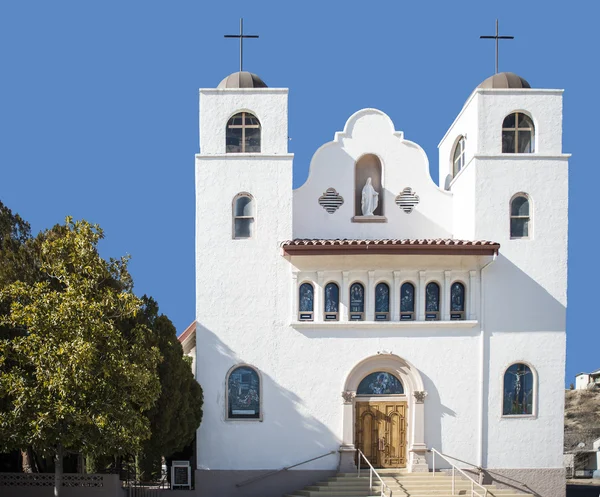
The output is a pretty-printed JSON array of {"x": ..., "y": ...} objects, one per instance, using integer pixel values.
[
  {"x": 269, "y": 105},
  {"x": 404, "y": 164},
  {"x": 246, "y": 293},
  {"x": 581, "y": 381}
]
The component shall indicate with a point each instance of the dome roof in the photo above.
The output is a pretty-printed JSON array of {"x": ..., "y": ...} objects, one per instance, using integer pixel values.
[
  {"x": 242, "y": 79},
  {"x": 505, "y": 80}
]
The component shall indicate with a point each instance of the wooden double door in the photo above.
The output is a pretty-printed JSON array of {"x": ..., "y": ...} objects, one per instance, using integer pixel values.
[{"x": 381, "y": 433}]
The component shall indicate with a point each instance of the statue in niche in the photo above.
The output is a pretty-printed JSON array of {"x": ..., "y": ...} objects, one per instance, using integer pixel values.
[{"x": 370, "y": 199}]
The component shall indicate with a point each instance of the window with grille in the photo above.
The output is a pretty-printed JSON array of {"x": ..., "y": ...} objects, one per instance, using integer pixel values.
[
  {"x": 520, "y": 216},
  {"x": 243, "y": 134},
  {"x": 518, "y": 134}
]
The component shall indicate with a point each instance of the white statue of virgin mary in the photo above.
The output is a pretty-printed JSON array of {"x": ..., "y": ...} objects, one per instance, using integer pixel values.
[{"x": 370, "y": 199}]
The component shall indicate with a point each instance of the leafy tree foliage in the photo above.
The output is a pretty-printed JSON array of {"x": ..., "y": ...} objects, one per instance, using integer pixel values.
[
  {"x": 178, "y": 412},
  {"x": 70, "y": 379}
]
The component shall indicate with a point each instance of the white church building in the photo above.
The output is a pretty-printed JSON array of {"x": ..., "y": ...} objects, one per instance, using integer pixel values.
[{"x": 372, "y": 309}]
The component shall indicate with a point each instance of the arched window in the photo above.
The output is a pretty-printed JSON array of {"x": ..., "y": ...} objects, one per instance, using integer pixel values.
[
  {"x": 432, "y": 302},
  {"x": 243, "y": 216},
  {"x": 407, "y": 302},
  {"x": 458, "y": 158},
  {"x": 457, "y": 301},
  {"x": 306, "y": 299},
  {"x": 332, "y": 302},
  {"x": 243, "y": 134},
  {"x": 243, "y": 393},
  {"x": 382, "y": 302},
  {"x": 368, "y": 198},
  {"x": 518, "y": 134},
  {"x": 357, "y": 302},
  {"x": 518, "y": 391},
  {"x": 519, "y": 216},
  {"x": 380, "y": 383}
]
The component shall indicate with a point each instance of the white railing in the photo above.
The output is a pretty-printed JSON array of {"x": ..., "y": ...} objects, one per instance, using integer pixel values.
[
  {"x": 371, "y": 473},
  {"x": 482, "y": 492}
]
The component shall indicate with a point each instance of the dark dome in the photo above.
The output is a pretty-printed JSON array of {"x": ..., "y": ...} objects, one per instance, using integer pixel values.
[
  {"x": 505, "y": 80},
  {"x": 242, "y": 79}
]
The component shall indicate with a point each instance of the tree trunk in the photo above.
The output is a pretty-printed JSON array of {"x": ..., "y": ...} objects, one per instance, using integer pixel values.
[
  {"x": 58, "y": 470},
  {"x": 26, "y": 461}
]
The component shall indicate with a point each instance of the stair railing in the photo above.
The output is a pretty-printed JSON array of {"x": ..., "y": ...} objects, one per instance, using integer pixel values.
[
  {"x": 371, "y": 473},
  {"x": 481, "y": 492}
]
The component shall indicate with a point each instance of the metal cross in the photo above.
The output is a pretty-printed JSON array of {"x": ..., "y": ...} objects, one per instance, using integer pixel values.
[
  {"x": 241, "y": 36},
  {"x": 497, "y": 37}
]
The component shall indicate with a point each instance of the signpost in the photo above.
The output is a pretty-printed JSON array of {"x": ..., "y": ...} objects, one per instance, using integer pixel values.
[{"x": 181, "y": 475}]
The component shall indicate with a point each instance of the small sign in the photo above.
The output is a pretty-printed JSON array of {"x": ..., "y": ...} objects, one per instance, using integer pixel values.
[
  {"x": 181, "y": 475},
  {"x": 305, "y": 317}
]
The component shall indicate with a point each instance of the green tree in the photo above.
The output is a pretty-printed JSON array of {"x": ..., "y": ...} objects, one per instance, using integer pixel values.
[
  {"x": 70, "y": 379},
  {"x": 178, "y": 412}
]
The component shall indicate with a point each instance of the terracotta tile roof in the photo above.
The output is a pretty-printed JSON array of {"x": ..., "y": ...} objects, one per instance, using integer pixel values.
[
  {"x": 440, "y": 246},
  {"x": 188, "y": 331}
]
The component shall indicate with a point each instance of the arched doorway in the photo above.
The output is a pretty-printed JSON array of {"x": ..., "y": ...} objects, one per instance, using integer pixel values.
[{"x": 384, "y": 414}]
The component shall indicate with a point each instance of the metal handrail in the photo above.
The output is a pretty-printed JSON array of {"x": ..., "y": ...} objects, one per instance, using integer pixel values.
[
  {"x": 371, "y": 471},
  {"x": 454, "y": 469},
  {"x": 277, "y": 471}
]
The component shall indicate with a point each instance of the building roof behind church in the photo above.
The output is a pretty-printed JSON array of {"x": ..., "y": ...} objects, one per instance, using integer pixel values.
[
  {"x": 423, "y": 246},
  {"x": 242, "y": 79},
  {"x": 505, "y": 80}
]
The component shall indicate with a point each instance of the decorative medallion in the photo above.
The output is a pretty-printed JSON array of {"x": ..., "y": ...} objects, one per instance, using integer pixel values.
[
  {"x": 348, "y": 396},
  {"x": 407, "y": 200},
  {"x": 420, "y": 396},
  {"x": 331, "y": 200}
]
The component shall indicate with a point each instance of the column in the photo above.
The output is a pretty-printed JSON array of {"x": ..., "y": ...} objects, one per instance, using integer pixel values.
[
  {"x": 421, "y": 297},
  {"x": 395, "y": 296},
  {"x": 319, "y": 297},
  {"x": 445, "y": 294},
  {"x": 471, "y": 304},
  {"x": 347, "y": 449},
  {"x": 294, "y": 295},
  {"x": 344, "y": 297},
  {"x": 370, "y": 297},
  {"x": 418, "y": 450}
]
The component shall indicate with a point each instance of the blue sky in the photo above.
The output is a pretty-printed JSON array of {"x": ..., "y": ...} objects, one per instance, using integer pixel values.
[{"x": 99, "y": 108}]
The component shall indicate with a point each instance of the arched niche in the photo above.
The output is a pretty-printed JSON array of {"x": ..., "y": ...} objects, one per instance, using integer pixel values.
[{"x": 368, "y": 166}]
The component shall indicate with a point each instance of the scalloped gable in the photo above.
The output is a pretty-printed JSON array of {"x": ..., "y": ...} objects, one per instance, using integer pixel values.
[{"x": 404, "y": 165}]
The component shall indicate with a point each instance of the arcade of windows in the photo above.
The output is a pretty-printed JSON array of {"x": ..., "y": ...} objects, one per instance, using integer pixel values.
[{"x": 357, "y": 301}]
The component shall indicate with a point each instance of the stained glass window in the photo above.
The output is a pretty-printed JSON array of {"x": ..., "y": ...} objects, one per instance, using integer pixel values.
[
  {"x": 357, "y": 301},
  {"x": 407, "y": 301},
  {"x": 519, "y": 216},
  {"x": 432, "y": 301},
  {"x": 457, "y": 301},
  {"x": 243, "y": 394},
  {"x": 518, "y": 390},
  {"x": 382, "y": 302},
  {"x": 382, "y": 298},
  {"x": 380, "y": 383},
  {"x": 306, "y": 297},
  {"x": 243, "y": 134},
  {"x": 332, "y": 301}
]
